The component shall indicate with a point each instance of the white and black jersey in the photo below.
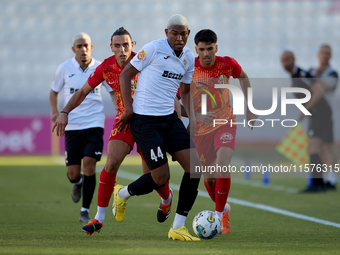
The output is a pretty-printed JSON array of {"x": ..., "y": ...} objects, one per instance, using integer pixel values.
[
  {"x": 330, "y": 76},
  {"x": 304, "y": 79},
  {"x": 301, "y": 79},
  {"x": 71, "y": 77},
  {"x": 321, "y": 124},
  {"x": 161, "y": 72}
]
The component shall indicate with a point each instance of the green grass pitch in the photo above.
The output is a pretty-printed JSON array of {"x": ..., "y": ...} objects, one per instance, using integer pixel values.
[{"x": 39, "y": 217}]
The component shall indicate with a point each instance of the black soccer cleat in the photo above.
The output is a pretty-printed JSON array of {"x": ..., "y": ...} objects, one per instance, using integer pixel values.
[
  {"x": 314, "y": 189},
  {"x": 330, "y": 186},
  {"x": 92, "y": 226}
]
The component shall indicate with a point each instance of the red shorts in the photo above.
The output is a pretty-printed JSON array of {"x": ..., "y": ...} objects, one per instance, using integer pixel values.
[
  {"x": 208, "y": 144},
  {"x": 125, "y": 137}
]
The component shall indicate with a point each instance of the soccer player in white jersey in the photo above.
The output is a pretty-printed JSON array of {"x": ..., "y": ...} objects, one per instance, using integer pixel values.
[
  {"x": 120, "y": 143},
  {"x": 321, "y": 135},
  {"x": 322, "y": 130},
  {"x": 163, "y": 65},
  {"x": 85, "y": 129}
]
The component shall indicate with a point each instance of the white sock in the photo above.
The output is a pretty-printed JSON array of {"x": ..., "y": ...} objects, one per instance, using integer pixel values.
[
  {"x": 83, "y": 209},
  {"x": 179, "y": 221},
  {"x": 219, "y": 214},
  {"x": 100, "y": 216},
  {"x": 226, "y": 208},
  {"x": 167, "y": 201},
  {"x": 80, "y": 180},
  {"x": 331, "y": 177},
  {"x": 124, "y": 193}
]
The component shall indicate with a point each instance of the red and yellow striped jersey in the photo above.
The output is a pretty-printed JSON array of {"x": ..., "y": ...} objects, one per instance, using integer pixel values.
[
  {"x": 109, "y": 71},
  {"x": 218, "y": 100}
]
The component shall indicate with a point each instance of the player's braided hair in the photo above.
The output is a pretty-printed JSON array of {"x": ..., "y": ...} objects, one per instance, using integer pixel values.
[
  {"x": 122, "y": 31},
  {"x": 206, "y": 36}
]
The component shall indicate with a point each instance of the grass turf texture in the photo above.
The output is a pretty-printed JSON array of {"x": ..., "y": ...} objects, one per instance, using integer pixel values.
[{"x": 39, "y": 217}]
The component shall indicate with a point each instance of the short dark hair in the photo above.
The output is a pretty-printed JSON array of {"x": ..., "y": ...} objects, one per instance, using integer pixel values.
[
  {"x": 121, "y": 31},
  {"x": 206, "y": 36},
  {"x": 325, "y": 45}
]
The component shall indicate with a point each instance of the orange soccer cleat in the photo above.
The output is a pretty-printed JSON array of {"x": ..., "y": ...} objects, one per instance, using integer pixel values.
[{"x": 226, "y": 222}]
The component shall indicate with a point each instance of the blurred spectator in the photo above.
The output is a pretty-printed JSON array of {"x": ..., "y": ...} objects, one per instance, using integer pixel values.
[{"x": 320, "y": 130}]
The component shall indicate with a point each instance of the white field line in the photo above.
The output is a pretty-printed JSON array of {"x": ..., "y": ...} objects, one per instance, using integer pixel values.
[
  {"x": 258, "y": 184},
  {"x": 132, "y": 176}
]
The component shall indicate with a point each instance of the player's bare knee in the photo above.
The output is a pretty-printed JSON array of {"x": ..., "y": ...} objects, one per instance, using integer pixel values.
[
  {"x": 89, "y": 169},
  {"x": 73, "y": 176},
  {"x": 313, "y": 149},
  {"x": 210, "y": 181},
  {"x": 161, "y": 180},
  {"x": 89, "y": 166},
  {"x": 112, "y": 165},
  {"x": 314, "y": 145}
]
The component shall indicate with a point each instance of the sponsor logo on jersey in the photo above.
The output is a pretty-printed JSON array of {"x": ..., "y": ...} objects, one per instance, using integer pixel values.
[
  {"x": 223, "y": 79},
  {"x": 166, "y": 57},
  {"x": 97, "y": 153},
  {"x": 171, "y": 75},
  {"x": 185, "y": 62},
  {"x": 226, "y": 137},
  {"x": 95, "y": 90},
  {"x": 207, "y": 89},
  {"x": 141, "y": 55},
  {"x": 73, "y": 90},
  {"x": 71, "y": 75}
]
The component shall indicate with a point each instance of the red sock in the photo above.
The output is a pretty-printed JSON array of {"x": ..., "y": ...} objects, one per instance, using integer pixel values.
[
  {"x": 164, "y": 192},
  {"x": 106, "y": 184},
  {"x": 211, "y": 190},
  {"x": 222, "y": 192}
]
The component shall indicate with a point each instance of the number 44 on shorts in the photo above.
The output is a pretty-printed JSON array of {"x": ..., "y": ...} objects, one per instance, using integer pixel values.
[{"x": 159, "y": 154}]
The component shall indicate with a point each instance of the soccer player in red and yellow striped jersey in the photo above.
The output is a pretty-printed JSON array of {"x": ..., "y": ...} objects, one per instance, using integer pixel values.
[
  {"x": 120, "y": 143},
  {"x": 216, "y": 143}
]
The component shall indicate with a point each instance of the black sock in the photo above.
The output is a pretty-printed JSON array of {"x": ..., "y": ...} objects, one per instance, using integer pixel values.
[
  {"x": 89, "y": 185},
  {"x": 187, "y": 194},
  {"x": 142, "y": 186},
  {"x": 316, "y": 175}
]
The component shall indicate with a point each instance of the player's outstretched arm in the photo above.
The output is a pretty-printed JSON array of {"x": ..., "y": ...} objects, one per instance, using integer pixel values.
[
  {"x": 75, "y": 100},
  {"x": 53, "y": 104},
  {"x": 245, "y": 84},
  {"x": 125, "y": 88}
]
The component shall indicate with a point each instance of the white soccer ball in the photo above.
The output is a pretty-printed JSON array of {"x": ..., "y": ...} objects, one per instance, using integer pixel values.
[{"x": 206, "y": 224}]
